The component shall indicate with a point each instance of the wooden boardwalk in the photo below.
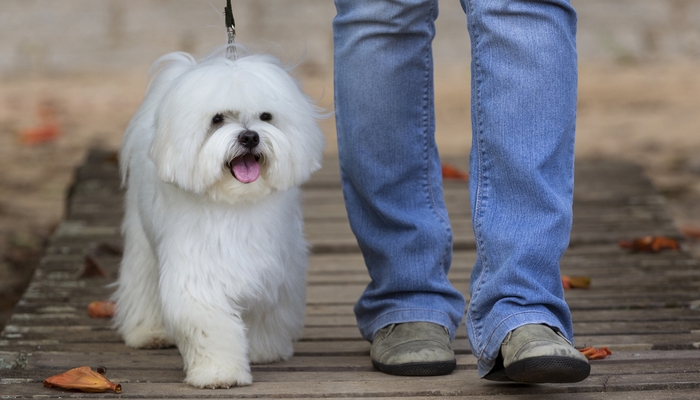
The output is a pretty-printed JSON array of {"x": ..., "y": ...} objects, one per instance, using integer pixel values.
[{"x": 645, "y": 307}]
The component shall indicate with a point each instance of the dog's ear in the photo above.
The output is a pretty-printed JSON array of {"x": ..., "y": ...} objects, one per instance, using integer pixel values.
[
  {"x": 164, "y": 155},
  {"x": 179, "y": 128},
  {"x": 178, "y": 138},
  {"x": 306, "y": 144},
  {"x": 162, "y": 73},
  {"x": 299, "y": 149}
]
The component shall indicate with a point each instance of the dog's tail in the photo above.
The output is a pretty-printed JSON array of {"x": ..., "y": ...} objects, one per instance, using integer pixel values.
[{"x": 163, "y": 71}]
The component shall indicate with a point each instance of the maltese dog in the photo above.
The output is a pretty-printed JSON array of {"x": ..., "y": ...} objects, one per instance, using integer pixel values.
[{"x": 214, "y": 254}]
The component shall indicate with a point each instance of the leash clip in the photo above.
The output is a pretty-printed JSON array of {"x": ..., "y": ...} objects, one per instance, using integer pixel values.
[{"x": 231, "y": 31}]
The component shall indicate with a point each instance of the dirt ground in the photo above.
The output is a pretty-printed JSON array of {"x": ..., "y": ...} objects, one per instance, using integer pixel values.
[{"x": 645, "y": 113}]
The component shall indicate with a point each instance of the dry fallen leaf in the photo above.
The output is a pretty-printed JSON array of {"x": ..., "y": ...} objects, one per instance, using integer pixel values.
[
  {"x": 40, "y": 134},
  {"x": 451, "y": 172},
  {"x": 83, "y": 379},
  {"x": 592, "y": 353},
  {"x": 101, "y": 309},
  {"x": 48, "y": 128},
  {"x": 93, "y": 269},
  {"x": 650, "y": 244},
  {"x": 575, "y": 282}
]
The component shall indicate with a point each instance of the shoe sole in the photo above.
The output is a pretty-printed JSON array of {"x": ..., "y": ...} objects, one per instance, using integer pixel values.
[
  {"x": 548, "y": 369},
  {"x": 417, "y": 369}
]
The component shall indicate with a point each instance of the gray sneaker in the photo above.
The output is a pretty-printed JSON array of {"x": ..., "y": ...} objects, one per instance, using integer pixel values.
[
  {"x": 413, "y": 349},
  {"x": 538, "y": 354}
]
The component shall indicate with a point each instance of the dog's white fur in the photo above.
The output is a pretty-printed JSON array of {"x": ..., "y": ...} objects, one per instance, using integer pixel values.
[{"x": 211, "y": 264}]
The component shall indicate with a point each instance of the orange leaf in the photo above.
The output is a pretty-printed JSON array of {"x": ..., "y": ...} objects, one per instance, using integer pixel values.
[
  {"x": 101, "y": 309},
  {"x": 566, "y": 282},
  {"x": 41, "y": 134},
  {"x": 575, "y": 282},
  {"x": 592, "y": 353},
  {"x": 451, "y": 172},
  {"x": 650, "y": 244},
  {"x": 83, "y": 379}
]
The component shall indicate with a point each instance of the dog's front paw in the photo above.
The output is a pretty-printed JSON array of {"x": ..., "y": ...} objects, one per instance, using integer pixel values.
[{"x": 214, "y": 377}]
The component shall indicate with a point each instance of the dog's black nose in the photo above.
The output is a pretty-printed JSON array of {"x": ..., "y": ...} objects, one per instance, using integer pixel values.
[{"x": 249, "y": 139}]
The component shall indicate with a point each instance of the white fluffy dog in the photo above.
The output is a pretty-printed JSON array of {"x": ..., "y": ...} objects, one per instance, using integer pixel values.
[{"x": 214, "y": 257}]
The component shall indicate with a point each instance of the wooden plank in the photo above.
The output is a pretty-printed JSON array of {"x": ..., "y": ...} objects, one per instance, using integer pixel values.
[
  {"x": 670, "y": 394},
  {"x": 653, "y": 381},
  {"x": 585, "y": 322},
  {"x": 168, "y": 368},
  {"x": 172, "y": 372},
  {"x": 325, "y": 348},
  {"x": 148, "y": 361},
  {"x": 347, "y": 294},
  {"x": 625, "y": 339},
  {"x": 349, "y": 344},
  {"x": 621, "y": 362},
  {"x": 460, "y": 383},
  {"x": 654, "y": 302}
]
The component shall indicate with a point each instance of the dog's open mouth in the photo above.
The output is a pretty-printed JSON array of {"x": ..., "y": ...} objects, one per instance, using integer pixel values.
[{"x": 245, "y": 168}]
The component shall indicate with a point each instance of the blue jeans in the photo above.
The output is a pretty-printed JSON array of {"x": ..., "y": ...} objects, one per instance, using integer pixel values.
[{"x": 524, "y": 79}]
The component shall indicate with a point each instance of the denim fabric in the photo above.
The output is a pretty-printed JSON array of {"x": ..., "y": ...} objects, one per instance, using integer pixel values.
[
  {"x": 524, "y": 79},
  {"x": 390, "y": 167}
]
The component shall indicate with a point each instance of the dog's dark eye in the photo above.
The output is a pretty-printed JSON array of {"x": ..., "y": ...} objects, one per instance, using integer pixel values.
[
  {"x": 218, "y": 118},
  {"x": 266, "y": 116}
]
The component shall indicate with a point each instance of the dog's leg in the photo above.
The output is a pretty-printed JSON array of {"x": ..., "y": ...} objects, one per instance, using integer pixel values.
[
  {"x": 208, "y": 331},
  {"x": 272, "y": 331},
  {"x": 138, "y": 318}
]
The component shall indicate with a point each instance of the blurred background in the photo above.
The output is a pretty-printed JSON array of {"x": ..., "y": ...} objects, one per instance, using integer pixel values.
[{"x": 72, "y": 73}]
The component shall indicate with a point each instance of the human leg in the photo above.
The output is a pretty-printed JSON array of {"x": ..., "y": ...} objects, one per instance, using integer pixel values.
[
  {"x": 524, "y": 78},
  {"x": 389, "y": 163},
  {"x": 392, "y": 183}
]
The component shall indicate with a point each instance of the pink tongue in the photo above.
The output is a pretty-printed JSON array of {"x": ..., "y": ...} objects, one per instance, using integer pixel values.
[{"x": 245, "y": 168}]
